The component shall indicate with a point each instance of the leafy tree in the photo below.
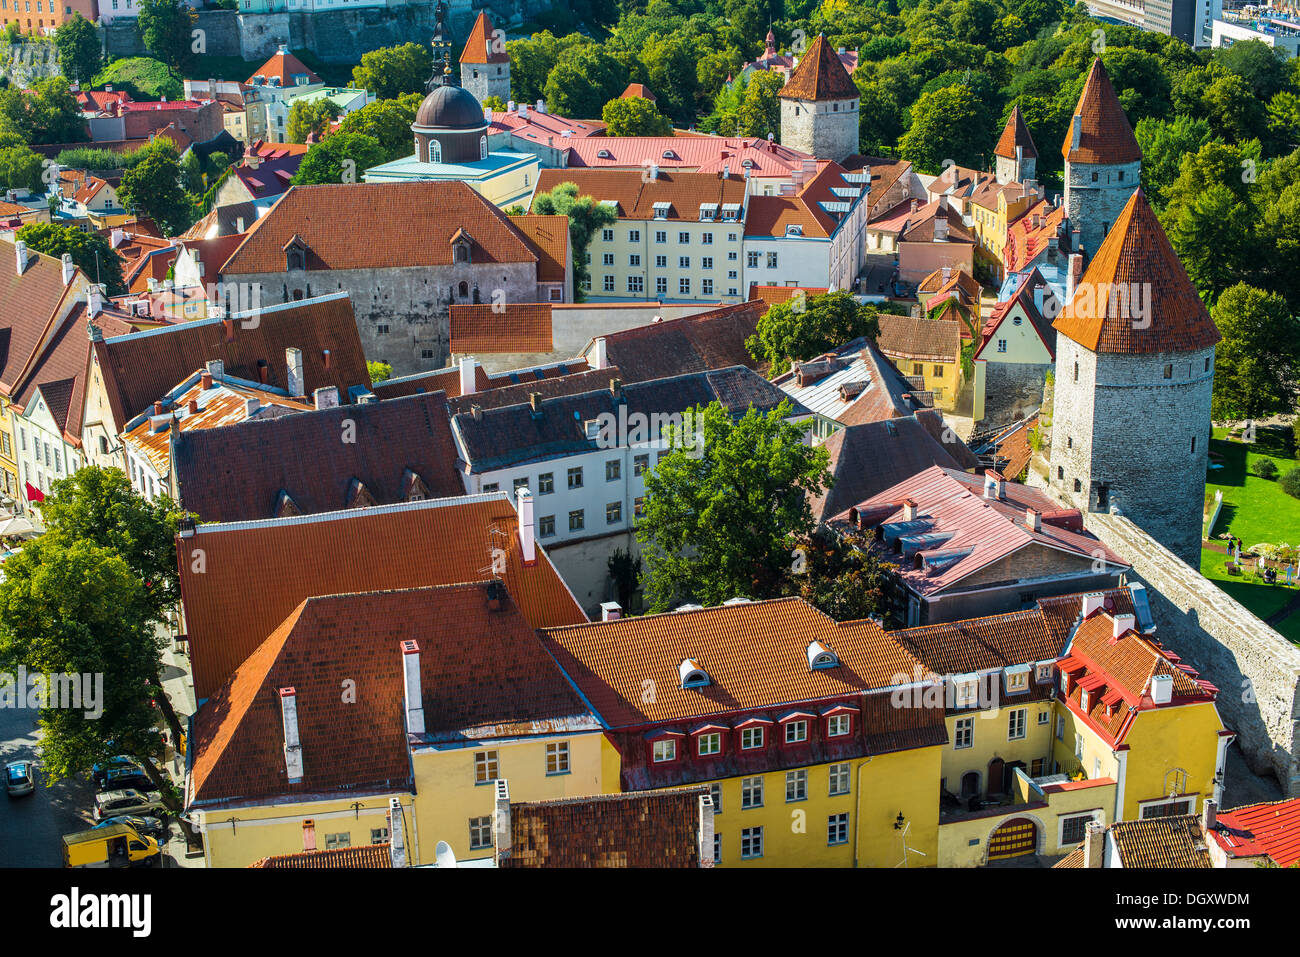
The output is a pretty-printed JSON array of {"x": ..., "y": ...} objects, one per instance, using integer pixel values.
[
  {"x": 1233, "y": 111},
  {"x": 531, "y": 61},
  {"x": 1284, "y": 119},
  {"x": 90, "y": 251},
  {"x": 48, "y": 113},
  {"x": 390, "y": 72},
  {"x": 945, "y": 127},
  {"x": 379, "y": 371},
  {"x": 1279, "y": 236},
  {"x": 153, "y": 188},
  {"x": 166, "y": 27},
  {"x": 1264, "y": 68},
  {"x": 670, "y": 63},
  {"x": 310, "y": 118},
  {"x": 760, "y": 110},
  {"x": 1164, "y": 144},
  {"x": 796, "y": 329},
  {"x": 583, "y": 80},
  {"x": 585, "y": 217},
  {"x": 20, "y": 168},
  {"x": 340, "y": 158},
  {"x": 388, "y": 121},
  {"x": 1290, "y": 483},
  {"x": 722, "y": 517},
  {"x": 838, "y": 579},
  {"x": 79, "y": 52},
  {"x": 495, "y": 104},
  {"x": 1214, "y": 237},
  {"x": 635, "y": 116},
  {"x": 1257, "y": 365}
]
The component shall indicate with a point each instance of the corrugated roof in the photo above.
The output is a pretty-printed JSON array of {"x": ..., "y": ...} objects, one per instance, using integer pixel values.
[{"x": 683, "y": 192}]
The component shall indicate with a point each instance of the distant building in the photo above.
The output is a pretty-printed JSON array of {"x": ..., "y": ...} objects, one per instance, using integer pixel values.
[
  {"x": 819, "y": 106},
  {"x": 484, "y": 63}
]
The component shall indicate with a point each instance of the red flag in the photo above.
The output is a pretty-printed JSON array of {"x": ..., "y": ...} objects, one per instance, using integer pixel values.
[{"x": 34, "y": 494}]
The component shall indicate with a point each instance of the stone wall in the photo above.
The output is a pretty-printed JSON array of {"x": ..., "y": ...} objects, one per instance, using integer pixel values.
[
  {"x": 1094, "y": 205},
  {"x": 819, "y": 129},
  {"x": 1256, "y": 670},
  {"x": 25, "y": 63},
  {"x": 1012, "y": 390}
]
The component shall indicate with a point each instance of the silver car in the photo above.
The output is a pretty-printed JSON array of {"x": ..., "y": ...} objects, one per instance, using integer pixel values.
[
  {"x": 127, "y": 802},
  {"x": 20, "y": 778}
]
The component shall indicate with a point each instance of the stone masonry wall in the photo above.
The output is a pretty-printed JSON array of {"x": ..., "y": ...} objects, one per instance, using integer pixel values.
[
  {"x": 1256, "y": 670},
  {"x": 819, "y": 129},
  {"x": 1094, "y": 206},
  {"x": 1012, "y": 390}
]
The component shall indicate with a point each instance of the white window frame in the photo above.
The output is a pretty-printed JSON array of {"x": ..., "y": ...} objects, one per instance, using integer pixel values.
[{"x": 1017, "y": 720}]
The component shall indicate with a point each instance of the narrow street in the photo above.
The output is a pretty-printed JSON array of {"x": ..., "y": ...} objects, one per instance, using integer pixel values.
[{"x": 31, "y": 826}]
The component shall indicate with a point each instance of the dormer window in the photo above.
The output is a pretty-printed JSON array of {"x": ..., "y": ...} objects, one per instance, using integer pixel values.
[
  {"x": 665, "y": 750},
  {"x": 708, "y": 744},
  {"x": 295, "y": 255},
  {"x": 591, "y": 428},
  {"x": 604, "y": 154},
  {"x": 794, "y": 229},
  {"x": 668, "y": 155},
  {"x": 1017, "y": 679},
  {"x": 839, "y": 721},
  {"x": 460, "y": 252},
  {"x": 1083, "y": 700},
  {"x": 819, "y": 656},
  {"x": 796, "y": 732},
  {"x": 692, "y": 675},
  {"x": 965, "y": 691},
  {"x": 752, "y": 739},
  {"x": 1043, "y": 674}
]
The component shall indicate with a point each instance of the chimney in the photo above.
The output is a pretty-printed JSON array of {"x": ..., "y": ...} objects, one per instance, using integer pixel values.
[
  {"x": 263, "y": 371},
  {"x": 601, "y": 359},
  {"x": 116, "y": 237},
  {"x": 610, "y": 611},
  {"x": 1033, "y": 520},
  {"x": 1094, "y": 845},
  {"x": 205, "y": 381},
  {"x": 216, "y": 368},
  {"x": 501, "y": 833},
  {"x": 476, "y": 411},
  {"x": 20, "y": 248},
  {"x": 541, "y": 106},
  {"x": 707, "y": 811},
  {"x": 916, "y": 204},
  {"x": 1073, "y": 274},
  {"x": 1122, "y": 624},
  {"x": 326, "y": 397},
  {"x": 1076, "y": 131},
  {"x": 995, "y": 486},
  {"x": 468, "y": 365},
  {"x": 95, "y": 299},
  {"x": 293, "y": 371},
  {"x": 158, "y": 407},
  {"x": 292, "y": 745},
  {"x": 396, "y": 833},
  {"x": 527, "y": 531},
  {"x": 325, "y": 357},
  {"x": 229, "y": 325},
  {"x": 940, "y": 229},
  {"x": 239, "y": 224},
  {"x": 1092, "y": 601},
  {"x": 251, "y": 405},
  {"x": 69, "y": 268},
  {"x": 1162, "y": 689},
  {"x": 616, "y": 389},
  {"x": 535, "y": 402},
  {"x": 909, "y": 510},
  {"x": 1209, "y": 816},
  {"x": 947, "y": 274},
  {"x": 411, "y": 684}
]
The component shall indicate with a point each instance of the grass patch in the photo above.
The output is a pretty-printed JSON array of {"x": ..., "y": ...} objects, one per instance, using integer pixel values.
[
  {"x": 143, "y": 77},
  {"x": 1254, "y": 509},
  {"x": 1262, "y": 600}
]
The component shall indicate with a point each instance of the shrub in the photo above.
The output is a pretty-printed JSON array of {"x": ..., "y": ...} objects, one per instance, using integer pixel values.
[
  {"x": 1291, "y": 483},
  {"x": 1264, "y": 468}
]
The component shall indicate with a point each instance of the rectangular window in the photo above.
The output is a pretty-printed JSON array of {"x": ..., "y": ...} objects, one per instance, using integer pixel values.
[
  {"x": 613, "y": 513},
  {"x": 796, "y": 786},
  {"x": 706, "y": 262},
  {"x": 613, "y": 470},
  {"x": 771, "y": 260},
  {"x": 965, "y": 735},
  {"x": 636, "y": 284},
  {"x": 683, "y": 262},
  {"x": 577, "y": 521},
  {"x": 710, "y": 743},
  {"x": 665, "y": 751},
  {"x": 1078, "y": 746},
  {"x": 634, "y": 235},
  {"x": 333, "y": 841},
  {"x": 1167, "y": 809},
  {"x": 486, "y": 767},
  {"x": 837, "y": 725},
  {"x": 575, "y": 477},
  {"x": 546, "y": 483},
  {"x": 661, "y": 236},
  {"x": 1016, "y": 724},
  {"x": 608, "y": 283},
  {"x": 379, "y": 835},
  {"x": 684, "y": 286},
  {"x": 751, "y": 738},
  {"x": 634, "y": 259},
  {"x": 1060, "y": 727},
  {"x": 520, "y": 483},
  {"x": 661, "y": 285},
  {"x": 607, "y": 235},
  {"x": 1002, "y": 345},
  {"x": 1044, "y": 717},
  {"x": 607, "y": 259},
  {"x": 491, "y": 486},
  {"x": 707, "y": 239},
  {"x": 684, "y": 238},
  {"x": 751, "y": 260},
  {"x": 640, "y": 463},
  {"x": 546, "y": 526},
  {"x": 796, "y": 732},
  {"x": 661, "y": 262},
  {"x": 638, "y": 506},
  {"x": 751, "y": 792},
  {"x": 751, "y": 842},
  {"x": 557, "y": 758},
  {"x": 706, "y": 287},
  {"x": 837, "y": 829},
  {"x": 715, "y": 793},
  {"x": 839, "y": 779},
  {"x": 1074, "y": 828},
  {"x": 938, "y": 371},
  {"x": 480, "y": 833},
  {"x": 717, "y": 848}
]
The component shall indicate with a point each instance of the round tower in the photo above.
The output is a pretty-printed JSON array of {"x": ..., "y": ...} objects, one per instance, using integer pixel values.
[
  {"x": 1134, "y": 372},
  {"x": 819, "y": 106},
  {"x": 1103, "y": 162},
  {"x": 484, "y": 63}
]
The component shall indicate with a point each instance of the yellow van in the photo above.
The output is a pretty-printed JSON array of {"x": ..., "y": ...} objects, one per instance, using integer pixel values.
[{"x": 118, "y": 845}]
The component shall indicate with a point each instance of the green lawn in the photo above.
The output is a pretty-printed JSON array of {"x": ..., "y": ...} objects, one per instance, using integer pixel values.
[{"x": 1263, "y": 600}]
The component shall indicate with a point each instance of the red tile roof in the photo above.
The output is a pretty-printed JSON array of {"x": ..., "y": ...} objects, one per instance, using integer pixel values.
[
  {"x": 819, "y": 76},
  {"x": 1014, "y": 134},
  {"x": 772, "y": 295},
  {"x": 701, "y": 154},
  {"x": 708, "y": 340},
  {"x": 329, "y": 218},
  {"x": 338, "y": 858},
  {"x": 1163, "y": 842},
  {"x": 257, "y": 573},
  {"x": 483, "y": 675},
  {"x": 774, "y": 215},
  {"x": 502, "y": 391},
  {"x": 479, "y": 43},
  {"x": 638, "y": 89},
  {"x": 1031, "y": 234},
  {"x": 267, "y": 168},
  {"x": 512, "y": 328},
  {"x": 283, "y": 66},
  {"x": 1137, "y": 265},
  {"x": 1272, "y": 828},
  {"x": 685, "y": 192},
  {"x": 1105, "y": 135},
  {"x": 549, "y": 238},
  {"x": 27, "y": 303}
]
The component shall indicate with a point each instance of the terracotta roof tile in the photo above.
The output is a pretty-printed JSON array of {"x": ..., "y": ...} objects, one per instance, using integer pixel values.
[
  {"x": 257, "y": 573},
  {"x": 479, "y": 43},
  {"x": 980, "y": 644},
  {"x": 27, "y": 304},
  {"x": 772, "y": 295},
  {"x": 338, "y": 858},
  {"x": 549, "y": 236},
  {"x": 1105, "y": 134},
  {"x": 1032, "y": 234},
  {"x": 1014, "y": 134},
  {"x": 684, "y": 192},
  {"x": 1137, "y": 265},
  {"x": 1161, "y": 842},
  {"x": 638, "y": 89},
  {"x": 695, "y": 153},
  {"x": 707, "y": 340},
  {"x": 512, "y": 327},
  {"x": 819, "y": 76},
  {"x": 283, "y": 66},
  {"x": 442, "y": 380},
  {"x": 918, "y": 338}
]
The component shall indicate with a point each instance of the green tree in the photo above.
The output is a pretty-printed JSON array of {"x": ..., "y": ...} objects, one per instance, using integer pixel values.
[
  {"x": 725, "y": 507},
  {"x": 583, "y": 80},
  {"x": 308, "y": 118},
  {"x": 671, "y": 65},
  {"x": 388, "y": 121},
  {"x": 760, "y": 110},
  {"x": 532, "y": 59},
  {"x": 20, "y": 168},
  {"x": 585, "y": 217},
  {"x": 79, "y": 52},
  {"x": 340, "y": 158},
  {"x": 1233, "y": 111},
  {"x": 48, "y": 113},
  {"x": 91, "y": 252},
  {"x": 153, "y": 188},
  {"x": 838, "y": 579},
  {"x": 1214, "y": 237},
  {"x": 800, "y": 329},
  {"x": 1264, "y": 68},
  {"x": 390, "y": 72},
  {"x": 379, "y": 371},
  {"x": 945, "y": 127},
  {"x": 1257, "y": 365},
  {"x": 1164, "y": 144},
  {"x": 635, "y": 116},
  {"x": 166, "y": 27}
]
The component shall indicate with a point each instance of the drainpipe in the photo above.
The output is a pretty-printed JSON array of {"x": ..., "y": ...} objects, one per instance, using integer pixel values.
[
  {"x": 1121, "y": 758},
  {"x": 857, "y": 814}
]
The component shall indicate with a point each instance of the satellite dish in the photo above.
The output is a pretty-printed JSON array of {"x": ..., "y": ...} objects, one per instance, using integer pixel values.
[{"x": 444, "y": 855}]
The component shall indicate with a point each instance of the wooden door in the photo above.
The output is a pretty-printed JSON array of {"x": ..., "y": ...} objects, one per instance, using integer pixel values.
[{"x": 1014, "y": 838}]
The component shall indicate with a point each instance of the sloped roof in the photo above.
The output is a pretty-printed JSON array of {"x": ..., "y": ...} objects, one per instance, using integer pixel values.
[
  {"x": 1014, "y": 134},
  {"x": 1105, "y": 135},
  {"x": 638, "y": 89},
  {"x": 337, "y": 858},
  {"x": 1032, "y": 234},
  {"x": 478, "y": 45},
  {"x": 685, "y": 192},
  {"x": 502, "y": 391},
  {"x": 27, "y": 303},
  {"x": 283, "y": 66},
  {"x": 483, "y": 675},
  {"x": 237, "y": 473},
  {"x": 140, "y": 368},
  {"x": 708, "y": 340},
  {"x": 1136, "y": 263},
  {"x": 807, "y": 210},
  {"x": 1271, "y": 828},
  {"x": 696, "y": 153},
  {"x": 518, "y": 327},
  {"x": 819, "y": 76},
  {"x": 549, "y": 236},
  {"x": 267, "y": 168},
  {"x": 978, "y": 644},
  {"x": 1022, "y": 296},
  {"x": 772, "y": 295},
  {"x": 1161, "y": 842},
  {"x": 257, "y": 573},
  {"x": 330, "y": 217},
  {"x": 918, "y": 338}
]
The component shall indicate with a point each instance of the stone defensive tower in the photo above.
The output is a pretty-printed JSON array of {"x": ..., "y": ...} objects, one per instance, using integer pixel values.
[
  {"x": 1015, "y": 157},
  {"x": 819, "y": 106},
  {"x": 484, "y": 63}
]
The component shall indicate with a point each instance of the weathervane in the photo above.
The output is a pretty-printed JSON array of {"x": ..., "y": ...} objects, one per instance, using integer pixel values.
[{"x": 441, "y": 44}]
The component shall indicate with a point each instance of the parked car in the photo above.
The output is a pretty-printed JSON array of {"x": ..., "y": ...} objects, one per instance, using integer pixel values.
[
  {"x": 127, "y": 802},
  {"x": 147, "y": 826},
  {"x": 20, "y": 778},
  {"x": 125, "y": 777},
  {"x": 99, "y": 771}
]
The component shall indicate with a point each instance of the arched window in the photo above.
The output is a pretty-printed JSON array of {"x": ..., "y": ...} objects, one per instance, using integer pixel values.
[
  {"x": 463, "y": 291},
  {"x": 419, "y": 156},
  {"x": 435, "y": 151},
  {"x": 482, "y": 147},
  {"x": 477, "y": 298}
]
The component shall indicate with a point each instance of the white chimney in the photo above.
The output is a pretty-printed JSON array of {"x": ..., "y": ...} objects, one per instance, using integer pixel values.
[
  {"x": 1162, "y": 689},
  {"x": 468, "y": 379},
  {"x": 601, "y": 360},
  {"x": 1091, "y": 602},
  {"x": 909, "y": 510},
  {"x": 523, "y": 111},
  {"x": 411, "y": 683},
  {"x": 116, "y": 238},
  {"x": 239, "y": 224},
  {"x": 94, "y": 299},
  {"x": 20, "y": 248},
  {"x": 502, "y": 836},
  {"x": 510, "y": 107},
  {"x": 610, "y": 611},
  {"x": 1122, "y": 624},
  {"x": 1094, "y": 845},
  {"x": 69, "y": 268},
  {"x": 326, "y": 397},
  {"x": 706, "y": 830},
  {"x": 1076, "y": 129},
  {"x": 251, "y": 405},
  {"x": 216, "y": 368},
  {"x": 541, "y": 106},
  {"x": 527, "y": 532},
  {"x": 292, "y": 744},
  {"x": 1033, "y": 520},
  {"x": 1038, "y": 298},
  {"x": 293, "y": 371},
  {"x": 995, "y": 486},
  {"x": 396, "y": 833}
]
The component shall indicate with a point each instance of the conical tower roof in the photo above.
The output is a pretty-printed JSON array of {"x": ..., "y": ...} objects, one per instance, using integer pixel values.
[
  {"x": 478, "y": 45},
  {"x": 1105, "y": 135},
  {"x": 1016, "y": 133},
  {"x": 819, "y": 76},
  {"x": 1135, "y": 297}
]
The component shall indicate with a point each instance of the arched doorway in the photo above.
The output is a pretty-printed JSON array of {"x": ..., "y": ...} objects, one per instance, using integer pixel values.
[
  {"x": 994, "y": 779},
  {"x": 970, "y": 784},
  {"x": 1013, "y": 838}
]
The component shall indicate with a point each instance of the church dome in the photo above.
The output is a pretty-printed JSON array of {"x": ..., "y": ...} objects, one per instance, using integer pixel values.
[{"x": 450, "y": 107}]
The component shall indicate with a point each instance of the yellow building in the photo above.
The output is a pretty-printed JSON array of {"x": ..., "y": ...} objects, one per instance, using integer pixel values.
[
  {"x": 927, "y": 349},
  {"x": 8, "y": 459}
]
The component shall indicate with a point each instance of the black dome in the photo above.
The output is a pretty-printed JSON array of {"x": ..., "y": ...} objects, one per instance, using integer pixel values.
[{"x": 450, "y": 107}]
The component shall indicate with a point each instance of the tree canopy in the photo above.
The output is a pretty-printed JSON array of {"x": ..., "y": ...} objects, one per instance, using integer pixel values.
[
  {"x": 91, "y": 252},
  {"x": 391, "y": 72},
  {"x": 801, "y": 328},
  {"x": 340, "y": 158},
  {"x": 635, "y": 116},
  {"x": 585, "y": 217}
]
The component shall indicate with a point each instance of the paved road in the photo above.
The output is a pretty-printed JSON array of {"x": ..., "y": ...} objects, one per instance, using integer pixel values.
[{"x": 30, "y": 826}]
